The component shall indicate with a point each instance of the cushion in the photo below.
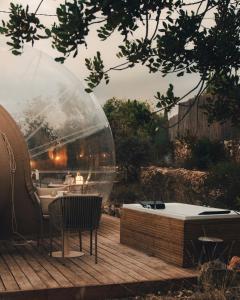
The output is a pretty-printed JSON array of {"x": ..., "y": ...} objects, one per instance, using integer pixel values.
[{"x": 49, "y": 191}]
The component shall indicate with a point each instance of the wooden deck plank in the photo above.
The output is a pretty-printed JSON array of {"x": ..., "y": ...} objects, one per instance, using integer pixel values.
[
  {"x": 83, "y": 276},
  {"x": 115, "y": 261},
  {"x": 26, "y": 268},
  {"x": 38, "y": 268},
  {"x": 2, "y": 288},
  {"x": 8, "y": 279},
  {"x": 143, "y": 269},
  {"x": 19, "y": 276},
  {"x": 143, "y": 264},
  {"x": 46, "y": 263},
  {"x": 152, "y": 273},
  {"x": 120, "y": 269},
  {"x": 153, "y": 262},
  {"x": 104, "y": 267},
  {"x": 97, "y": 272},
  {"x": 70, "y": 271},
  {"x": 155, "y": 271},
  {"x": 64, "y": 270},
  {"x": 101, "y": 267}
]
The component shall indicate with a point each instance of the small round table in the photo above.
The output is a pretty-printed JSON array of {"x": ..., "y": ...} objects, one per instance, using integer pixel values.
[
  {"x": 66, "y": 249},
  {"x": 209, "y": 248}
]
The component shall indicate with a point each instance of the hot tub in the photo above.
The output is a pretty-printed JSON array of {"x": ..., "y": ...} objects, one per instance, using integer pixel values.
[{"x": 172, "y": 233}]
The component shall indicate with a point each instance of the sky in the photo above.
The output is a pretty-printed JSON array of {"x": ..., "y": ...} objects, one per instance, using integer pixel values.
[{"x": 136, "y": 83}]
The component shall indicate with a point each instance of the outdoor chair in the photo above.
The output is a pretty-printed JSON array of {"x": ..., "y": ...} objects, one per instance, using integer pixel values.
[
  {"x": 43, "y": 208},
  {"x": 47, "y": 195},
  {"x": 76, "y": 213},
  {"x": 42, "y": 217},
  {"x": 43, "y": 203}
]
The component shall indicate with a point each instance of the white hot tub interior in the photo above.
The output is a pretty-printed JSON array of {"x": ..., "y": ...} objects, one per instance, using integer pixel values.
[{"x": 184, "y": 211}]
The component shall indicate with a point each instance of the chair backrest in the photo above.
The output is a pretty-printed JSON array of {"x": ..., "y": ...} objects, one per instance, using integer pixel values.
[{"x": 77, "y": 211}]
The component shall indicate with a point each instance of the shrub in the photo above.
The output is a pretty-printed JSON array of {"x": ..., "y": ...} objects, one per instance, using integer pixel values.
[
  {"x": 223, "y": 183},
  {"x": 139, "y": 134},
  {"x": 204, "y": 154},
  {"x": 126, "y": 193},
  {"x": 132, "y": 153}
]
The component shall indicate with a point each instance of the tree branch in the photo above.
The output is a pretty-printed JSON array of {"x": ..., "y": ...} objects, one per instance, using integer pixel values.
[
  {"x": 118, "y": 66},
  {"x": 194, "y": 3},
  {"x": 146, "y": 34},
  {"x": 97, "y": 22},
  {"x": 180, "y": 99},
  {"x": 156, "y": 27},
  {"x": 199, "y": 6},
  {"x": 38, "y": 6},
  {"x": 201, "y": 90}
]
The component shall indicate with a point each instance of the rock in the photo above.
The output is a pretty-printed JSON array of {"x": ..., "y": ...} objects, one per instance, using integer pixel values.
[{"x": 234, "y": 264}]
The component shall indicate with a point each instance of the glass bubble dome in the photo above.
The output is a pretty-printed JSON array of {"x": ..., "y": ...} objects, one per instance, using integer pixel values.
[{"x": 65, "y": 128}]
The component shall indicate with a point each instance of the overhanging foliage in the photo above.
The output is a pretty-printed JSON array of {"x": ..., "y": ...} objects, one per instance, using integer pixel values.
[{"x": 175, "y": 39}]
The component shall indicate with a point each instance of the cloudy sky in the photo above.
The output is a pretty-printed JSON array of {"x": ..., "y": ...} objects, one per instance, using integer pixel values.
[{"x": 136, "y": 83}]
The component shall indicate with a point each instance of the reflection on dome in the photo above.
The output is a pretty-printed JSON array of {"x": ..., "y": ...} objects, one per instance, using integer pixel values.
[{"x": 65, "y": 129}]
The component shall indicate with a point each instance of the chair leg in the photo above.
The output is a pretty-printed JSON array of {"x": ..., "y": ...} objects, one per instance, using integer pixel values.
[
  {"x": 39, "y": 240},
  {"x": 80, "y": 239},
  {"x": 91, "y": 242},
  {"x": 63, "y": 243},
  {"x": 40, "y": 234},
  {"x": 50, "y": 234},
  {"x": 96, "y": 249}
]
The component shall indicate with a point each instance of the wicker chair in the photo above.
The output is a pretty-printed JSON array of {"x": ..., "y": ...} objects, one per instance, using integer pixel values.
[
  {"x": 76, "y": 213},
  {"x": 42, "y": 217}
]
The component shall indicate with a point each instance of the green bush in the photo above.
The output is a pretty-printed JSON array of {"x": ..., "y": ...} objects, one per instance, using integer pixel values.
[
  {"x": 223, "y": 184},
  {"x": 132, "y": 154},
  {"x": 126, "y": 193},
  {"x": 204, "y": 154},
  {"x": 139, "y": 134}
]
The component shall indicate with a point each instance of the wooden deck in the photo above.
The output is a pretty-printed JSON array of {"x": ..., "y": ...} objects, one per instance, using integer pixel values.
[{"x": 27, "y": 272}]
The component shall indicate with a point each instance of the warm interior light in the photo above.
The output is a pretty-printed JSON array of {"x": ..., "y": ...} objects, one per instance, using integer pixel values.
[
  {"x": 78, "y": 178},
  {"x": 32, "y": 164},
  {"x": 51, "y": 154},
  {"x": 58, "y": 157}
]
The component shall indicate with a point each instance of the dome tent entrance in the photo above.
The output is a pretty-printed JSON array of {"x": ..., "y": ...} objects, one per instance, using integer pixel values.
[{"x": 19, "y": 211}]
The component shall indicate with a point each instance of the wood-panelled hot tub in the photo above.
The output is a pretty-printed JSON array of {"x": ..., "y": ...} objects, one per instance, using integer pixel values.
[{"x": 172, "y": 233}]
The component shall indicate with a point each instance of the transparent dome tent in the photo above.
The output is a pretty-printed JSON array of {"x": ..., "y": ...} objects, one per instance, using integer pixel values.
[{"x": 65, "y": 128}]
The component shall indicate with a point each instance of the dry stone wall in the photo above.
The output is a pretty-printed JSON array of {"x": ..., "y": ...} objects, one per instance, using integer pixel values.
[{"x": 175, "y": 185}]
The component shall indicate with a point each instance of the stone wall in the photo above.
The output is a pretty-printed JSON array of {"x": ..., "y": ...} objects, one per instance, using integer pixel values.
[
  {"x": 181, "y": 152},
  {"x": 174, "y": 185}
]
